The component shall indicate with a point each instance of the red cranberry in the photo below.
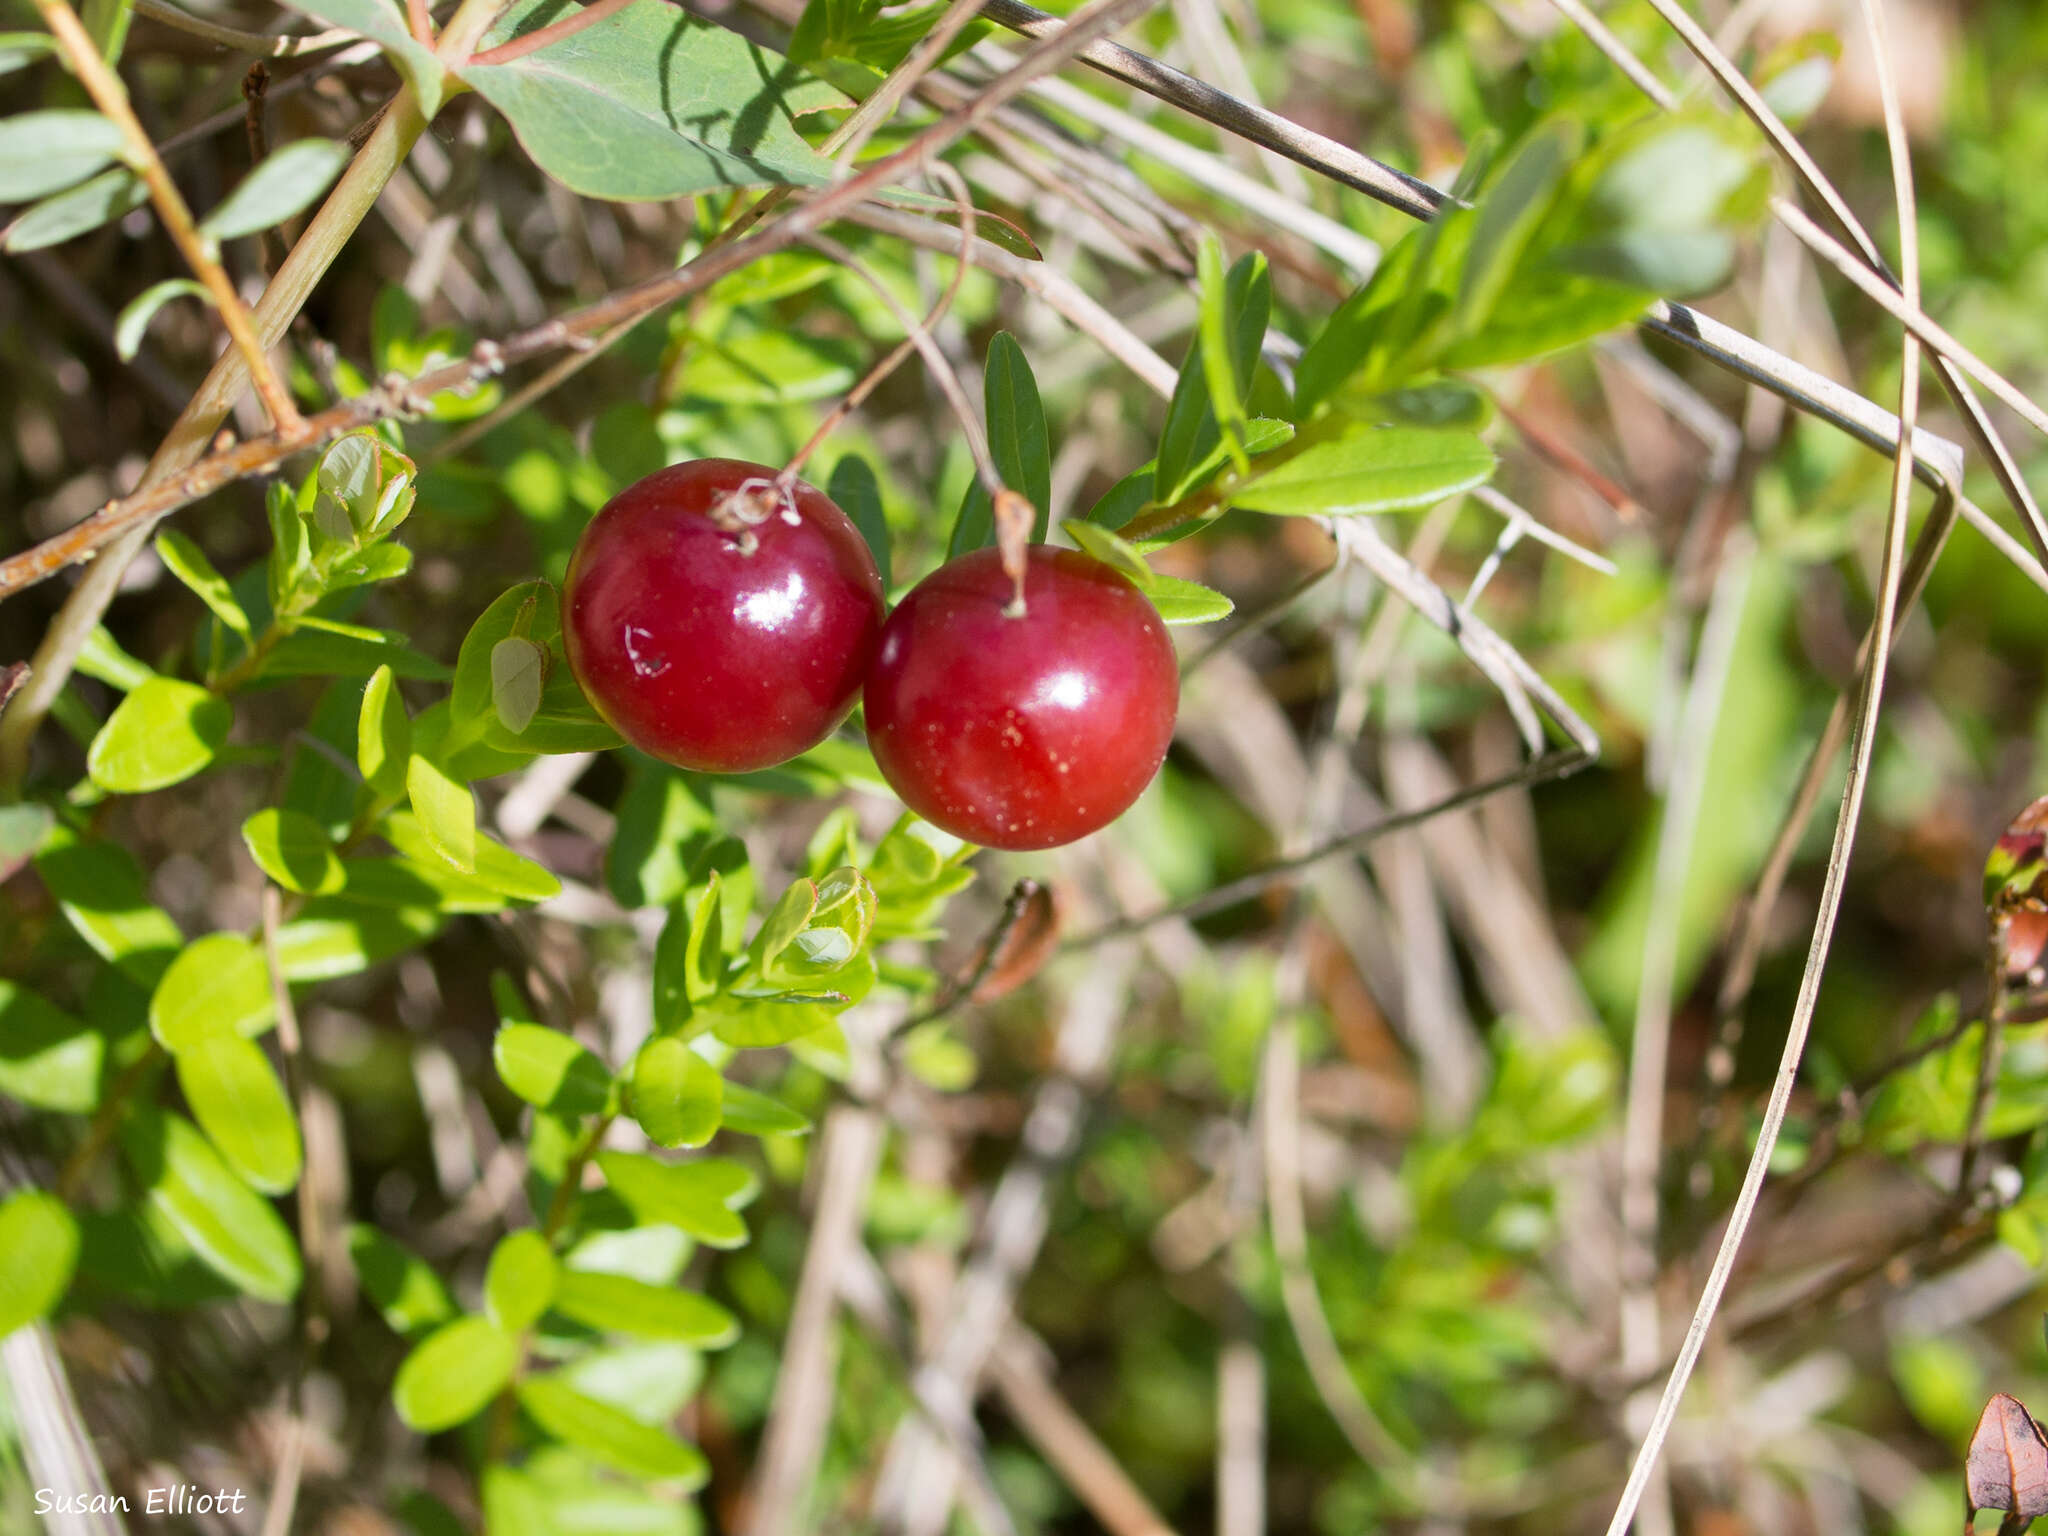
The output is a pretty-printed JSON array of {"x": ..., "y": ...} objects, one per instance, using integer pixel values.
[
  {"x": 716, "y": 625},
  {"x": 1023, "y": 731}
]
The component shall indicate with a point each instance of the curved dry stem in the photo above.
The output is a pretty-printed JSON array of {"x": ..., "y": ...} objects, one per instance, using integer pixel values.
[
  {"x": 943, "y": 373},
  {"x": 1863, "y": 740},
  {"x": 263, "y": 45}
]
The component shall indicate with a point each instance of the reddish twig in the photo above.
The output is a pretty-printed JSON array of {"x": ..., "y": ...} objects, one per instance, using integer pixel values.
[{"x": 550, "y": 34}]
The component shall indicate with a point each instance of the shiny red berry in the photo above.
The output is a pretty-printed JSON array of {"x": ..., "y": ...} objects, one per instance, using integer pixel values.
[
  {"x": 717, "y": 625},
  {"x": 1022, "y": 731}
]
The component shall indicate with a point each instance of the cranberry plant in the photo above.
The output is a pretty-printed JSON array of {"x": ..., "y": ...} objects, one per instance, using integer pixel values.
[{"x": 509, "y": 676}]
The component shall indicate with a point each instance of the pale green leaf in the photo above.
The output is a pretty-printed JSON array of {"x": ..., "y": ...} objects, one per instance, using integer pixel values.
[
  {"x": 404, "y": 1286},
  {"x": 615, "y": 1304},
  {"x": 44, "y": 152},
  {"x": 282, "y": 184},
  {"x": 756, "y": 1114},
  {"x": 187, "y": 561},
  {"x": 694, "y": 1197},
  {"x": 550, "y": 1070},
  {"x": 518, "y": 672},
  {"x": 99, "y": 887},
  {"x": 135, "y": 316},
  {"x": 648, "y": 104},
  {"x": 383, "y": 735},
  {"x": 384, "y": 24},
  {"x": 85, "y": 207}
]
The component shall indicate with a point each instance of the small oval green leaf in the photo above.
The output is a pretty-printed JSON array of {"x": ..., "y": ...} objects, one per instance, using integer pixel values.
[
  {"x": 521, "y": 1280},
  {"x": 616, "y": 1304},
  {"x": 219, "y": 986},
  {"x": 44, "y": 152},
  {"x": 140, "y": 310},
  {"x": 676, "y": 1094},
  {"x": 295, "y": 851},
  {"x": 236, "y": 1098},
  {"x": 453, "y": 1374},
  {"x": 550, "y": 1070},
  {"x": 282, "y": 184},
  {"x": 1386, "y": 469},
  {"x": 161, "y": 734},
  {"x": 84, "y": 208},
  {"x": 47, "y": 1058},
  {"x": 234, "y": 1230},
  {"x": 617, "y": 1439},
  {"x": 446, "y": 811},
  {"x": 383, "y": 735},
  {"x": 405, "y": 1288},
  {"x": 38, "y": 1250},
  {"x": 756, "y": 1114}
]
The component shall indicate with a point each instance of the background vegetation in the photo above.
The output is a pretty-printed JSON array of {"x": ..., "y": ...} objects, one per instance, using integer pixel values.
[{"x": 1181, "y": 1187}]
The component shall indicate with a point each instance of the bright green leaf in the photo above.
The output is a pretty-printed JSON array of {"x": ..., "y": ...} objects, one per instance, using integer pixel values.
[
  {"x": 220, "y": 986},
  {"x": 550, "y": 1070},
  {"x": 99, "y": 887},
  {"x": 233, "y": 1229},
  {"x": 616, "y": 1304},
  {"x": 47, "y": 1058},
  {"x": 404, "y": 1286},
  {"x": 756, "y": 1114},
  {"x": 446, "y": 811},
  {"x": 383, "y": 735},
  {"x": 1187, "y": 602},
  {"x": 453, "y": 1374},
  {"x": 521, "y": 1280},
  {"x": 235, "y": 1096},
  {"x": 334, "y": 936},
  {"x": 497, "y": 868},
  {"x": 1388, "y": 469},
  {"x": 294, "y": 850},
  {"x": 615, "y": 1438},
  {"x": 38, "y": 1250},
  {"x": 187, "y": 561},
  {"x": 693, "y": 1197},
  {"x": 675, "y": 1094},
  {"x": 162, "y": 733}
]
